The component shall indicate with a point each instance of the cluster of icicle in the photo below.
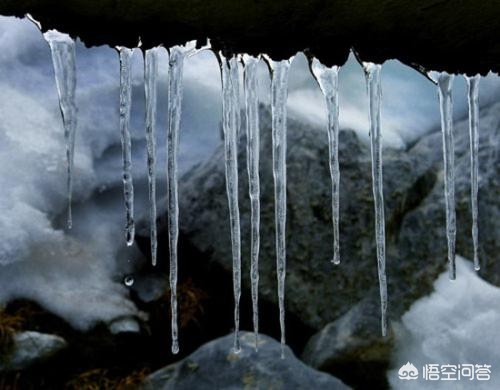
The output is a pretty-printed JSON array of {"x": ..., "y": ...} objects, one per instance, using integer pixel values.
[{"x": 63, "y": 55}]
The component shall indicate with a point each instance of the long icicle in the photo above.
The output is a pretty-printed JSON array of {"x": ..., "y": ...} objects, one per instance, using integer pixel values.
[
  {"x": 230, "y": 115},
  {"x": 176, "y": 65},
  {"x": 279, "y": 94},
  {"x": 445, "y": 83},
  {"x": 372, "y": 72},
  {"x": 125, "y": 106},
  {"x": 473, "y": 99},
  {"x": 150, "y": 73},
  {"x": 328, "y": 80},
  {"x": 62, "y": 48},
  {"x": 253, "y": 145}
]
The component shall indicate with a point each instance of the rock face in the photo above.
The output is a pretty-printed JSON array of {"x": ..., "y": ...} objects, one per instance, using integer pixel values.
[
  {"x": 31, "y": 347},
  {"x": 316, "y": 291},
  {"x": 215, "y": 366}
]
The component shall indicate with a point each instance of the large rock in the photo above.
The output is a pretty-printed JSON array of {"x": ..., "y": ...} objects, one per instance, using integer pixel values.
[
  {"x": 422, "y": 233},
  {"x": 316, "y": 291},
  {"x": 31, "y": 347},
  {"x": 354, "y": 337},
  {"x": 215, "y": 366},
  {"x": 324, "y": 295}
]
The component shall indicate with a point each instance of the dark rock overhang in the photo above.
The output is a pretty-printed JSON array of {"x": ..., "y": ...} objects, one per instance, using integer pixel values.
[{"x": 459, "y": 36}]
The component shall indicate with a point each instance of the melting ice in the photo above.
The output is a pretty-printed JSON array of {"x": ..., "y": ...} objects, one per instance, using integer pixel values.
[{"x": 62, "y": 48}]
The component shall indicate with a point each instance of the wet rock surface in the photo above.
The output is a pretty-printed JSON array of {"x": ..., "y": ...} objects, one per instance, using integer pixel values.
[{"x": 216, "y": 366}]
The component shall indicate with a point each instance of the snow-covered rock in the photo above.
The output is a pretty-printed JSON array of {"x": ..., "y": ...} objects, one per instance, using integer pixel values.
[{"x": 31, "y": 347}]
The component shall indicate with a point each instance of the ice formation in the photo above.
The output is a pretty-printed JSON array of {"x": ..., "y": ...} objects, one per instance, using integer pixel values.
[
  {"x": 230, "y": 126},
  {"x": 125, "y": 107},
  {"x": 328, "y": 80},
  {"x": 279, "y": 93},
  {"x": 253, "y": 145},
  {"x": 150, "y": 75},
  {"x": 473, "y": 100},
  {"x": 375, "y": 101},
  {"x": 62, "y": 48},
  {"x": 176, "y": 66},
  {"x": 445, "y": 83},
  {"x": 63, "y": 57}
]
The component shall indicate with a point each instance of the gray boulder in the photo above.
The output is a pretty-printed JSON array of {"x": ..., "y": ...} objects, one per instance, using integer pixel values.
[
  {"x": 354, "y": 337},
  {"x": 31, "y": 347},
  {"x": 317, "y": 292},
  {"x": 216, "y": 366}
]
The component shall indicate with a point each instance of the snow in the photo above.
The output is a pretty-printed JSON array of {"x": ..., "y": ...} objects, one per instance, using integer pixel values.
[{"x": 456, "y": 324}]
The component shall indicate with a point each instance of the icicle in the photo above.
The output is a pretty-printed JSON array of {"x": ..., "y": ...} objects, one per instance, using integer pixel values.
[
  {"x": 473, "y": 98},
  {"x": 253, "y": 144},
  {"x": 62, "y": 48},
  {"x": 372, "y": 72},
  {"x": 327, "y": 79},
  {"x": 150, "y": 73},
  {"x": 279, "y": 93},
  {"x": 176, "y": 62},
  {"x": 445, "y": 83},
  {"x": 230, "y": 116},
  {"x": 125, "y": 104}
]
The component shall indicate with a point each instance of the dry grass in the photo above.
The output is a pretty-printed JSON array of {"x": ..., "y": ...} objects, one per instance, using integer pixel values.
[
  {"x": 102, "y": 379},
  {"x": 10, "y": 324},
  {"x": 190, "y": 303}
]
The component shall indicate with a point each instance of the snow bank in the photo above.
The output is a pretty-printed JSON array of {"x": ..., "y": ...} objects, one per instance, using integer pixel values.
[{"x": 456, "y": 324}]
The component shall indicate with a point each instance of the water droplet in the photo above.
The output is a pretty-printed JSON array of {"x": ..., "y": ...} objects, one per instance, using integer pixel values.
[{"x": 129, "y": 281}]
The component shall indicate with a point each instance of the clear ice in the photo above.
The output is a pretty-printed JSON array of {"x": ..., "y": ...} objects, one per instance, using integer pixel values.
[
  {"x": 473, "y": 99},
  {"x": 253, "y": 145},
  {"x": 279, "y": 94},
  {"x": 125, "y": 106},
  {"x": 372, "y": 72},
  {"x": 150, "y": 74},
  {"x": 176, "y": 65},
  {"x": 328, "y": 80},
  {"x": 62, "y": 48},
  {"x": 230, "y": 125},
  {"x": 445, "y": 83}
]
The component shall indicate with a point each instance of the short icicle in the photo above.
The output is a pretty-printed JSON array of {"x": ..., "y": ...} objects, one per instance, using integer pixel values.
[
  {"x": 150, "y": 74},
  {"x": 473, "y": 99},
  {"x": 253, "y": 145},
  {"x": 445, "y": 83},
  {"x": 230, "y": 125},
  {"x": 328, "y": 80},
  {"x": 62, "y": 48},
  {"x": 372, "y": 72},
  {"x": 279, "y": 94},
  {"x": 125, "y": 106},
  {"x": 176, "y": 65}
]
